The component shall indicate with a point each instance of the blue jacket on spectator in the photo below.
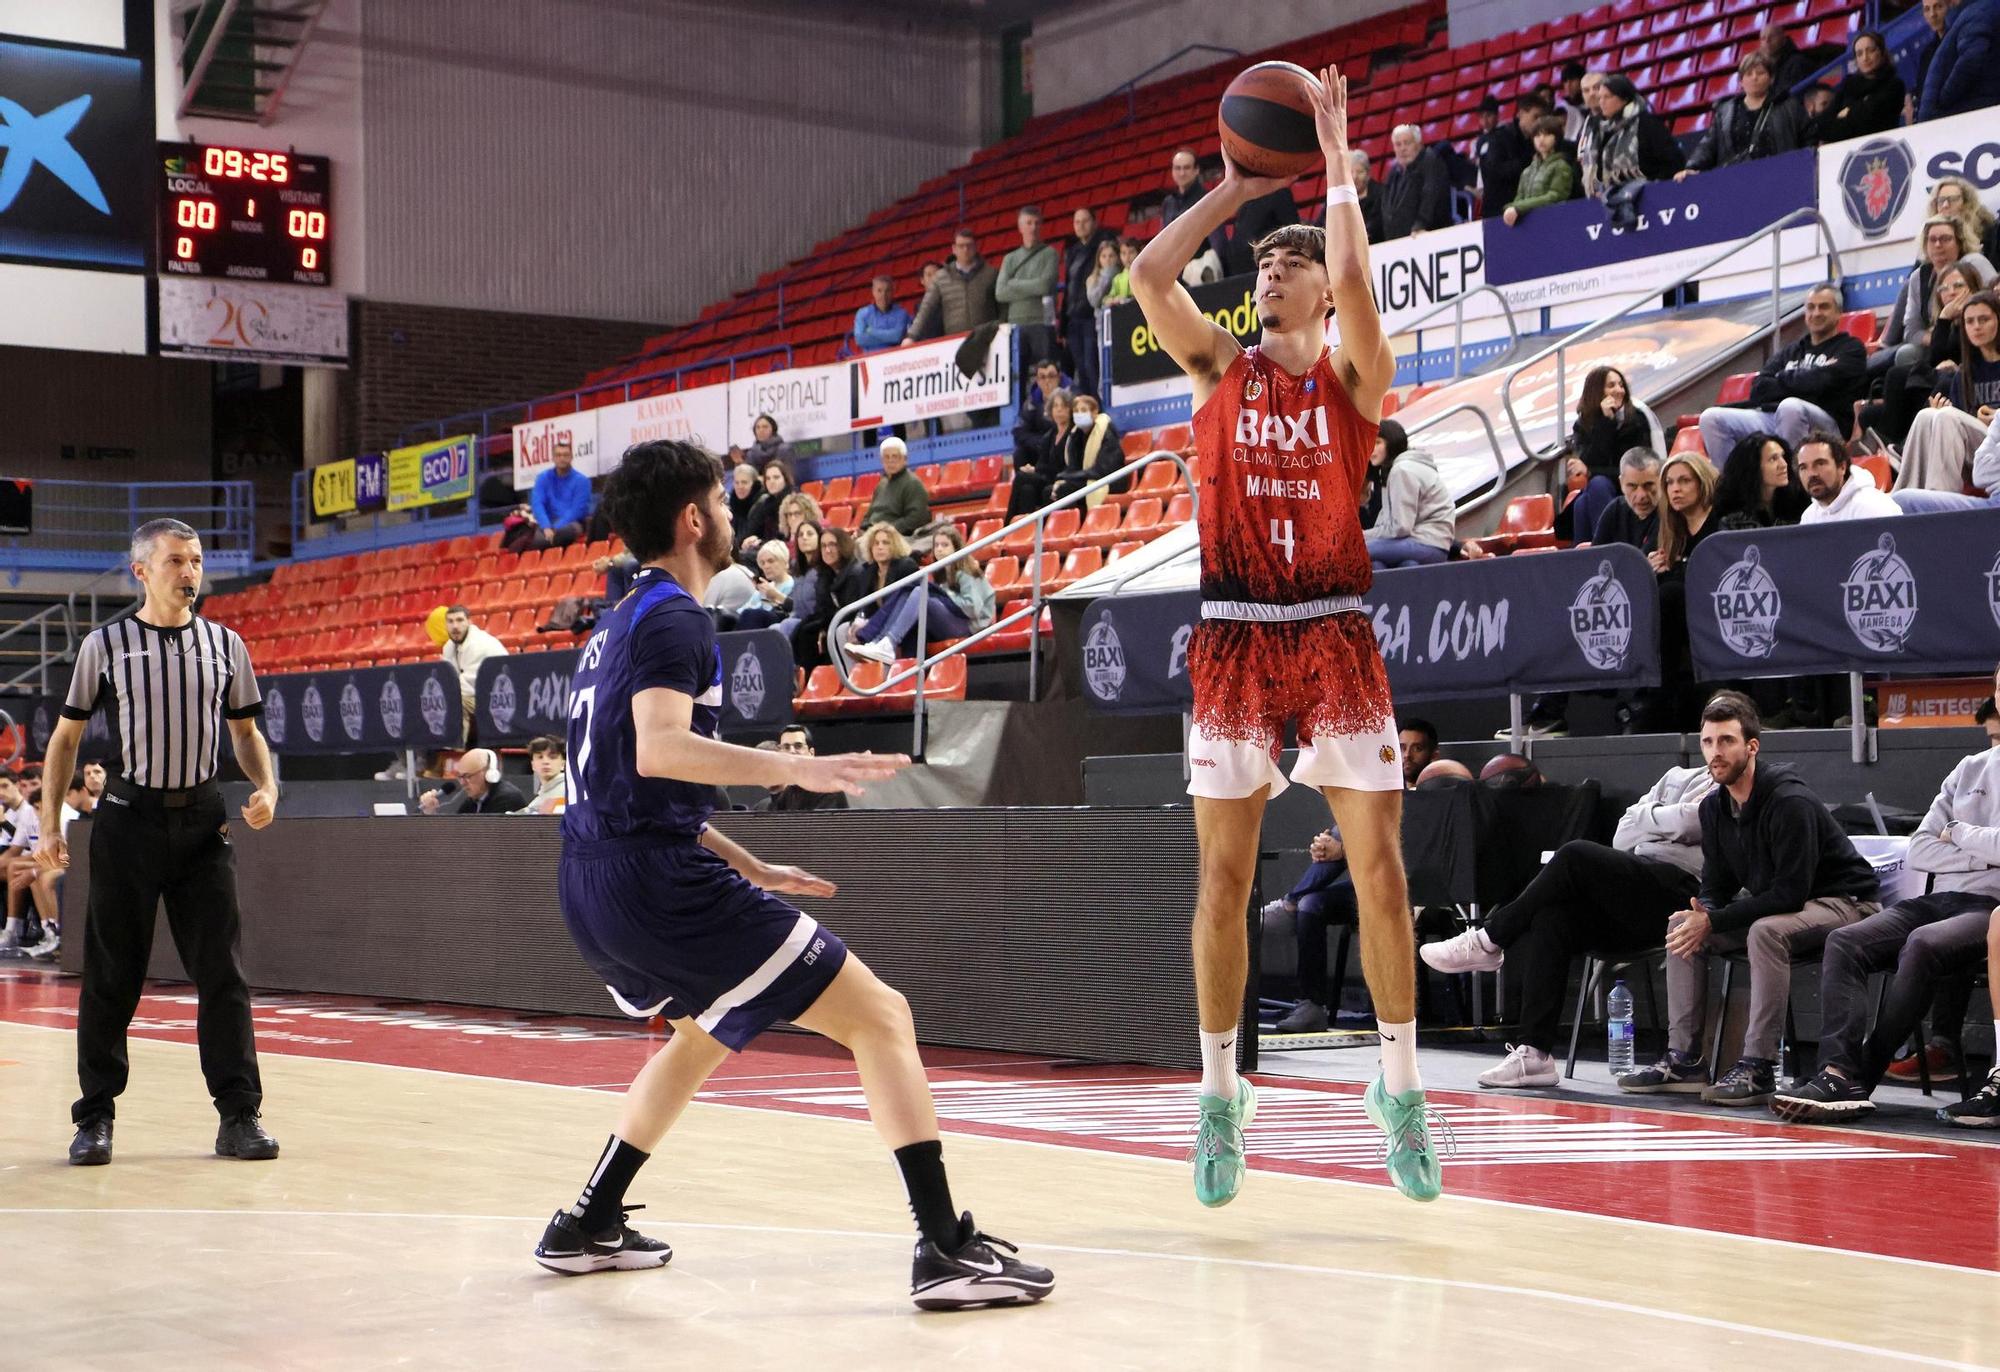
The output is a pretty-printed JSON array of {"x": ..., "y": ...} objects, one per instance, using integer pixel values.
[
  {"x": 1965, "y": 70},
  {"x": 560, "y": 500},
  {"x": 877, "y": 329}
]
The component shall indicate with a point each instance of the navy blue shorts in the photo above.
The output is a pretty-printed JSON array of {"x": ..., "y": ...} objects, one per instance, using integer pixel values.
[{"x": 676, "y": 931}]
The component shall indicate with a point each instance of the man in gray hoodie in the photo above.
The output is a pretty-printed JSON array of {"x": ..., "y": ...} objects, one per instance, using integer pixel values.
[
  {"x": 1918, "y": 942},
  {"x": 1588, "y": 897},
  {"x": 1416, "y": 524}
]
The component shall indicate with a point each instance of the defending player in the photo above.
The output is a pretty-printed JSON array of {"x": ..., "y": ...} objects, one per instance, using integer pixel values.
[
  {"x": 680, "y": 921},
  {"x": 1283, "y": 433}
]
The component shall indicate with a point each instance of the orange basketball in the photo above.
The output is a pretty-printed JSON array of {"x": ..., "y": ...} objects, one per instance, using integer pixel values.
[{"x": 1266, "y": 120}]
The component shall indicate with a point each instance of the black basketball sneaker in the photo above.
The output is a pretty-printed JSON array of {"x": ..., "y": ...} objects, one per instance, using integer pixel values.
[
  {"x": 975, "y": 1275},
  {"x": 565, "y": 1248}
]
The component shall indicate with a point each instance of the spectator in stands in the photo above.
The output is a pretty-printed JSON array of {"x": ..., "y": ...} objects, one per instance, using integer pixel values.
[
  {"x": 1034, "y": 471},
  {"x": 1778, "y": 876},
  {"x": 1121, "y": 281},
  {"x": 1079, "y": 314},
  {"x": 926, "y": 275},
  {"x": 1981, "y": 1110},
  {"x": 886, "y": 560},
  {"x": 1026, "y": 287},
  {"x": 1415, "y": 527},
  {"x": 1789, "y": 66},
  {"x": 1944, "y": 435},
  {"x": 1256, "y": 219},
  {"x": 1109, "y": 264},
  {"x": 1839, "y": 491},
  {"x": 766, "y": 447},
  {"x": 1503, "y": 153},
  {"x": 1187, "y": 187},
  {"x": 961, "y": 298},
  {"x": 881, "y": 323},
  {"x": 1633, "y": 147},
  {"x": 20, "y": 827},
  {"x": 1869, "y": 99},
  {"x": 548, "y": 761},
  {"x": 1369, "y": 190},
  {"x": 1920, "y": 367},
  {"x": 964, "y": 581},
  {"x": 1917, "y": 942},
  {"x": 1965, "y": 72},
  {"x": 618, "y": 570},
  {"x": 1985, "y": 475},
  {"x": 744, "y": 492},
  {"x": 93, "y": 780},
  {"x": 1756, "y": 122},
  {"x": 1634, "y": 518},
  {"x": 1590, "y": 897},
  {"x": 1608, "y": 425},
  {"x": 761, "y": 524},
  {"x": 1759, "y": 487},
  {"x": 796, "y": 738},
  {"x": 1584, "y": 130},
  {"x": 1417, "y": 195},
  {"x": 805, "y": 547},
  {"x": 1574, "y": 103},
  {"x": 465, "y": 646},
  {"x": 1937, "y": 16},
  {"x": 1804, "y": 386},
  {"x": 1549, "y": 179},
  {"x": 1814, "y": 102},
  {"x": 1054, "y": 455},
  {"x": 563, "y": 503},
  {"x": 1689, "y": 485},
  {"x": 1093, "y": 450},
  {"x": 732, "y": 592},
  {"x": 837, "y": 581},
  {"x": 1959, "y": 198},
  {"x": 476, "y": 787},
  {"x": 774, "y": 584},
  {"x": 1322, "y": 896},
  {"x": 900, "y": 498},
  {"x": 794, "y": 510},
  {"x": 1418, "y": 739}
]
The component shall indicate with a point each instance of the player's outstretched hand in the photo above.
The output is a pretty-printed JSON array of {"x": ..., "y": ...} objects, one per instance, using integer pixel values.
[
  {"x": 52, "y": 854},
  {"x": 795, "y": 881},
  {"x": 848, "y": 773},
  {"x": 1330, "y": 113}
]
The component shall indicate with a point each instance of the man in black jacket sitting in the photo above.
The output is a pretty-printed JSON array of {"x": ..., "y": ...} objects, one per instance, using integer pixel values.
[
  {"x": 1778, "y": 876},
  {"x": 1811, "y": 385},
  {"x": 1417, "y": 195}
]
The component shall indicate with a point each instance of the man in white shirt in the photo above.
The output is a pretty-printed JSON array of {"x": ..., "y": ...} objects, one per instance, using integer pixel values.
[
  {"x": 466, "y": 645},
  {"x": 20, "y": 827},
  {"x": 1839, "y": 490}
]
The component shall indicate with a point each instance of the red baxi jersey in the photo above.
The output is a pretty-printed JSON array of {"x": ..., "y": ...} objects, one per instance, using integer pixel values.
[{"x": 1280, "y": 460}]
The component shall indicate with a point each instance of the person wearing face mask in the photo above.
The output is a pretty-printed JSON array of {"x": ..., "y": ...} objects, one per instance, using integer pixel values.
[
  {"x": 1092, "y": 451},
  {"x": 1758, "y": 121}
]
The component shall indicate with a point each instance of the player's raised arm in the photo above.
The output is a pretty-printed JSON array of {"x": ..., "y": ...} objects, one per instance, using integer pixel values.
[
  {"x": 667, "y": 746},
  {"x": 1365, "y": 355},
  {"x": 1203, "y": 348}
]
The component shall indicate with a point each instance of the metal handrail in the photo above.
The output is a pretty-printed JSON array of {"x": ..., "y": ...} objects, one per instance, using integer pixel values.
[
  {"x": 1457, "y": 307},
  {"x": 41, "y": 619},
  {"x": 1492, "y": 437},
  {"x": 1560, "y": 348},
  {"x": 924, "y": 661}
]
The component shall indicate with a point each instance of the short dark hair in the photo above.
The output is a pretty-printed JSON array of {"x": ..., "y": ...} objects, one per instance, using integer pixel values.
[
  {"x": 796, "y": 728},
  {"x": 1726, "y": 706},
  {"x": 653, "y": 483},
  {"x": 1987, "y": 709},
  {"x": 547, "y": 744},
  {"x": 1048, "y": 362},
  {"x": 1573, "y": 70},
  {"x": 456, "y": 610},
  {"x": 1551, "y": 125},
  {"x": 1395, "y": 442},
  {"x": 1534, "y": 104},
  {"x": 1411, "y": 724},
  {"x": 962, "y": 232},
  {"x": 77, "y": 783},
  {"x": 1306, "y": 239},
  {"x": 1833, "y": 441},
  {"x": 1035, "y": 210}
]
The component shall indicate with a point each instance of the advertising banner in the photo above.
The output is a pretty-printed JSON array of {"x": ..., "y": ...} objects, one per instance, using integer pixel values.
[
  {"x": 923, "y": 382},
  {"x": 1703, "y": 212},
  {"x": 1582, "y": 620},
  {"x": 697, "y": 416},
  {"x": 1919, "y": 594},
  {"x": 430, "y": 473},
  {"x": 1875, "y": 191},
  {"x": 535, "y": 446},
  {"x": 806, "y": 402},
  {"x": 350, "y": 486},
  {"x": 524, "y": 695},
  {"x": 372, "y": 709},
  {"x": 252, "y": 322}
]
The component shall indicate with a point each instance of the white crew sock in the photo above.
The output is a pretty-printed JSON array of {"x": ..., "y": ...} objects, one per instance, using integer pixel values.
[
  {"x": 1218, "y": 1064},
  {"x": 1399, "y": 1057},
  {"x": 18, "y": 924}
]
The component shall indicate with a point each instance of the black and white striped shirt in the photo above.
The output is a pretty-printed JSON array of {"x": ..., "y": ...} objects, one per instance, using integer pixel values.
[{"x": 170, "y": 690}]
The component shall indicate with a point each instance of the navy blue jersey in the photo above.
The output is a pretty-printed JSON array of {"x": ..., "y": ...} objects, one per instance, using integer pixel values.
[{"x": 658, "y": 635}]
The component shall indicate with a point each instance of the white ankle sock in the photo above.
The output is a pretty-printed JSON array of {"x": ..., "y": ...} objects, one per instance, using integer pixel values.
[
  {"x": 1399, "y": 1057},
  {"x": 1218, "y": 1064},
  {"x": 16, "y": 926}
]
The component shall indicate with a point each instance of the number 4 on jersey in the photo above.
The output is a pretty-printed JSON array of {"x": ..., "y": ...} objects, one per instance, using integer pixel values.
[{"x": 1281, "y": 537}]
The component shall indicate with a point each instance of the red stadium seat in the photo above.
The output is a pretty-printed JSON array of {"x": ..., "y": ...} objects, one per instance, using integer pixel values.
[
  {"x": 1735, "y": 389},
  {"x": 1179, "y": 510}
]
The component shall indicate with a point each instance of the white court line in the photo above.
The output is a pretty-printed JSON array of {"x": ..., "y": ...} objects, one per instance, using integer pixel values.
[
  {"x": 1142, "y": 1254},
  {"x": 1178, "y": 1164}
]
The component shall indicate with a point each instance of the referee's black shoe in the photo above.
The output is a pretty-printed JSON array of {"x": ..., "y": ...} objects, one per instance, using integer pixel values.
[
  {"x": 566, "y": 1249},
  {"x": 975, "y": 1274},
  {"x": 92, "y": 1145},
  {"x": 241, "y": 1136}
]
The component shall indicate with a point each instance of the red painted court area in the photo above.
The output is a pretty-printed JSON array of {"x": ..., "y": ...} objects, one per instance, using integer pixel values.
[{"x": 1870, "y": 1192}]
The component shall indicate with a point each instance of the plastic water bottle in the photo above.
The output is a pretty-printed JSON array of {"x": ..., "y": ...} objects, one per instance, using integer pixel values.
[{"x": 1618, "y": 1028}]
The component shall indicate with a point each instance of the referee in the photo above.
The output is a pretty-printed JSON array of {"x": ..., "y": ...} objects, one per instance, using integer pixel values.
[{"x": 161, "y": 831}]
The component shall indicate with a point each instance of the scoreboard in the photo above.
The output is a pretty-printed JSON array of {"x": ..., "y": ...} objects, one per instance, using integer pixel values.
[{"x": 245, "y": 214}]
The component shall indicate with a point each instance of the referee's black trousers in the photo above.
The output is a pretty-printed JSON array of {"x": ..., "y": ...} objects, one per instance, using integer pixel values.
[{"x": 140, "y": 853}]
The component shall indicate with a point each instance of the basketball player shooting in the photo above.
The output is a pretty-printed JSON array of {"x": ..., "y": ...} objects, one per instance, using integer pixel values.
[
  {"x": 1283, "y": 434},
  {"x": 679, "y": 921}
]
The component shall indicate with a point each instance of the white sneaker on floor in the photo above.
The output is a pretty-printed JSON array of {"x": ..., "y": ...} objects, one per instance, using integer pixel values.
[
  {"x": 881, "y": 650},
  {"x": 1523, "y": 1066},
  {"x": 51, "y": 941},
  {"x": 1466, "y": 952}
]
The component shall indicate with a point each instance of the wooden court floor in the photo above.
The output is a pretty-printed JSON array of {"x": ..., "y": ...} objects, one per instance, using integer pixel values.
[{"x": 395, "y": 1229}]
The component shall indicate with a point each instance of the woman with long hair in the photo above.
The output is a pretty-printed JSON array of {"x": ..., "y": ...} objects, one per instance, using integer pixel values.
[
  {"x": 1868, "y": 99},
  {"x": 1944, "y": 435},
  {"x": 886, "y": 560},
  {"x": 964, "y": 581},
  {"x": 763, "y": 521},
  {"x": 1913, "y": 377},
  {"x": 806, "y": 535},
  {"x": 1687, "y": 485},
  {"x": 1608, "y": 425},
  {"x": 1094, "y": 450},
  {"x": 837, "y": 570},
  {"x": 1034, "y": 478},
  {"x": 1759, "y": 487},
  {"x": 794, "y": 510},
  {"x": 1959, "y": 198}
]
